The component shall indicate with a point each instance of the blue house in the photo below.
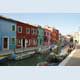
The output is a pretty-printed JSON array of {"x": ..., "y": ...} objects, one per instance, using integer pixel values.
[{"x": 7, "y": 33}]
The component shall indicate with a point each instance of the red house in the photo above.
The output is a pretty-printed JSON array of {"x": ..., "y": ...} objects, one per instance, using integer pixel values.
[{"x": 26, "y": 35}]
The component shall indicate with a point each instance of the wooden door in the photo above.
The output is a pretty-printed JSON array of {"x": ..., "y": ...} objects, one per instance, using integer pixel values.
[{"x": 5, "y": 43}]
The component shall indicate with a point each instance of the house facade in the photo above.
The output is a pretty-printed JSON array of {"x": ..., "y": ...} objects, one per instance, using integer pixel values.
[
  {"x": 26, "y": 35},
  {"x": 16, "y": 34},
  {"x": 47, "y": 37},
  {"x": 23, "y": 35},
  {"x": 54, "y": 35},
  {"x": 40, "y": 37},
  {"x": 34, "y": 35},
  {"x": 7, "y": 33},
  {"x": 76, "y": 37}
]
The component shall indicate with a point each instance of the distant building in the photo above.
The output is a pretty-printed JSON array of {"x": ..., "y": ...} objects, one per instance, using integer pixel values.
[
  {"x": 54, "y": 35},
  {"x": 76, "y": 37},
  {"x": 69, "y": 38}
]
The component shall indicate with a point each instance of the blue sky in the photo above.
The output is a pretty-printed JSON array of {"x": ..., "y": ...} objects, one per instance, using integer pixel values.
[
  {"x": 65, "y": 22},
  {"x": 44, "y": 12},
  {"x": 39, "y": 5}
]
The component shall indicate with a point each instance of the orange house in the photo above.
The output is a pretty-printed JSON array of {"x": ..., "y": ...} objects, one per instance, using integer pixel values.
[{"x": 55, "y": 35}]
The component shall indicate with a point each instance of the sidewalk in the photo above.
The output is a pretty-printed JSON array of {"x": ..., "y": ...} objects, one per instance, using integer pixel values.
[{"x": 73, "y": 59}]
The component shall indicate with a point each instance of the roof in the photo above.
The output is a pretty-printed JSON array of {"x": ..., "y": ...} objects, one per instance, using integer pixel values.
[
  {"x": 8, "y": 19},
  {"x": 13, "y": 20}
]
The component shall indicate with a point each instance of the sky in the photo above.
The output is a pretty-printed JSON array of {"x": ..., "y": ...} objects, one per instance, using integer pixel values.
[
  {"x": 39, "y": 5},
  {"x": 63, "y": 14},
  {"x": 67, "y": 23}
]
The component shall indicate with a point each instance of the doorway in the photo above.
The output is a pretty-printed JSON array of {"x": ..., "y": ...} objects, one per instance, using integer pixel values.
[
  {"x": 23, "y": 43},
  {"x": 5, "y": 43}
]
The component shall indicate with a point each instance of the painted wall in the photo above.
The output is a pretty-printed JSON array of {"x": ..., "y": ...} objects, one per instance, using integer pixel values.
[
  {"x": 34, "y": 36},
  {"x": 40, "y": 36},
  {"x": 23, "y": 34},
  {"x": 30, "y": 37},
  {"x": 47, "y": 37},
  {"x": 6, "y": 31},
  {"x": 55, "y": 36}
]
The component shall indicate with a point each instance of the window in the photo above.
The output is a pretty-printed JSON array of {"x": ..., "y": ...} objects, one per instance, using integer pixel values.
[
  {"x": 44, "y": 33},
  {"x": 35, "y": 31},
  {"x": 27, "y": 30},
  {"x": 45, "y": 39},
  {"x": 13, "y": 28},
  {"x": 32, "y": 31},
  {"x": 19, "y": 29},
  {"x": 13, "y": 40},
  {"x": 47, "y": 33},
  {"x": 18, "y": 41}
]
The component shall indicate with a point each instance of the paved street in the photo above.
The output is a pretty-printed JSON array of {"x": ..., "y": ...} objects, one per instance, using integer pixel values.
[{"x": 75, "y": 58}]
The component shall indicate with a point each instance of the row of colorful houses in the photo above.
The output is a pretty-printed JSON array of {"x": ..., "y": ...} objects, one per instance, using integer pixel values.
[{"x": 17, "y": 34}]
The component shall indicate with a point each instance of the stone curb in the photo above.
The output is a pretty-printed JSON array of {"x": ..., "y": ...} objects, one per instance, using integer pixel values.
[{"x": 65, "y": 61}]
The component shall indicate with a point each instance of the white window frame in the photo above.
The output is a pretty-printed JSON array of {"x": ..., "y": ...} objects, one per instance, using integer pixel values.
[{"x": 18, "y": 29}]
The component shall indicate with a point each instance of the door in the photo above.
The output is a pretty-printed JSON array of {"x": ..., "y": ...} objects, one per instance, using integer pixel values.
[
  {"x": 23, "y": 43},
  {"x": 5, "y": 43}
]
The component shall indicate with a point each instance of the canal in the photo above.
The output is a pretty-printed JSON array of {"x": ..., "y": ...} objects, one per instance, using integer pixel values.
[{"x": 31, "y": 61}]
